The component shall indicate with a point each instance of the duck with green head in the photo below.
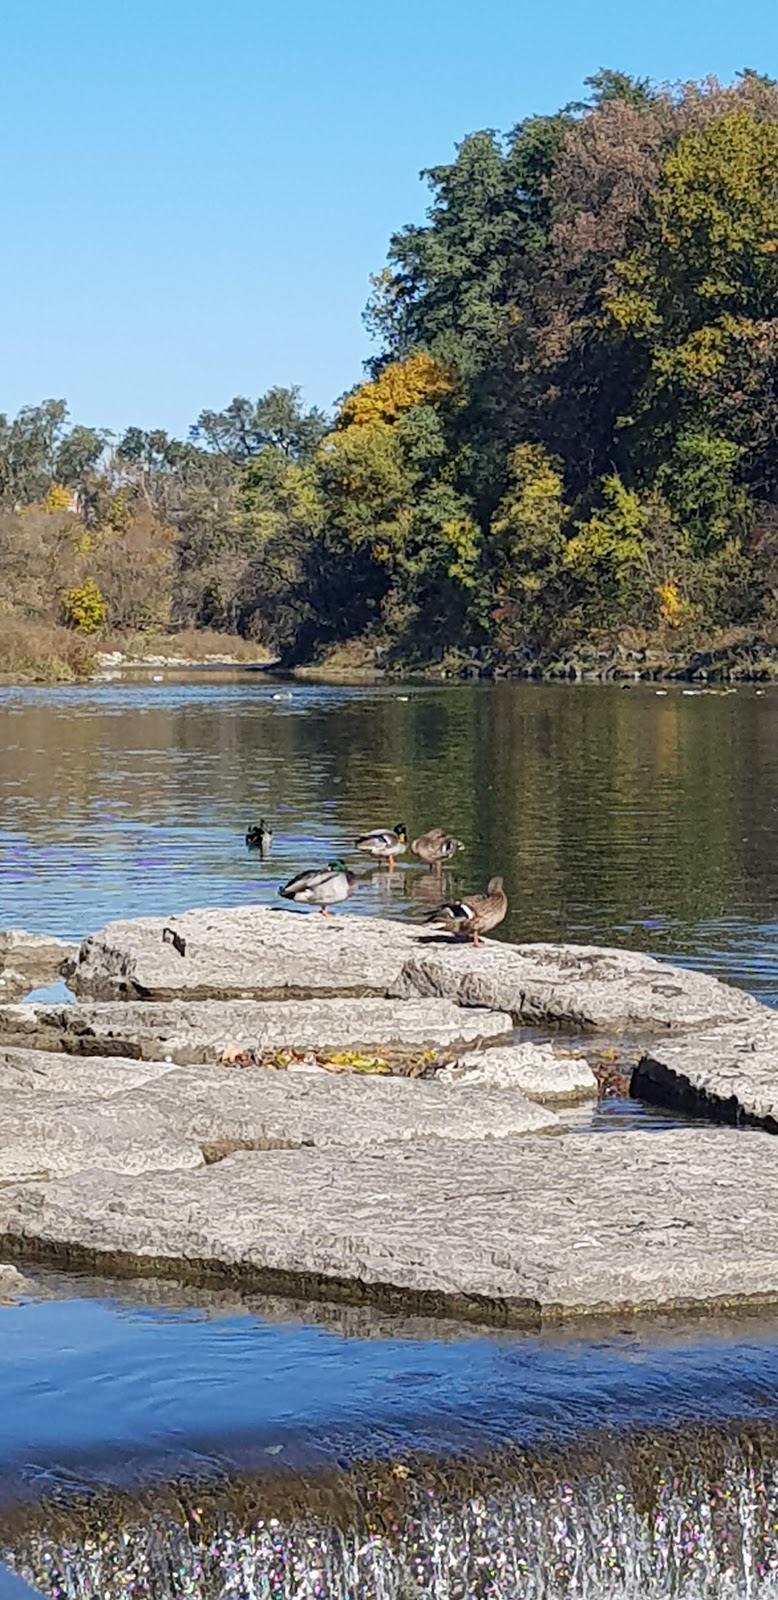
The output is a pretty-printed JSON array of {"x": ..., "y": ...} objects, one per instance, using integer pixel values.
[
  {"x": 385, "y": 843},
  {"x": 321, "y": 886}
]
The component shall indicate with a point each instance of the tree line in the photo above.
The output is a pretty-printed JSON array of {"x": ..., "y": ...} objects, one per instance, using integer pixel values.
[{"x": 569, "y": 429}]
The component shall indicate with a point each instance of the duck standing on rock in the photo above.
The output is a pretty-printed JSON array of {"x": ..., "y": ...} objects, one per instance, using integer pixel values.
[
  {"x": 386, "y": 843},
  {"x": 479, "y": 914},
  {"x": 259, "y": 838},
  {"x": 436, "y": 847},
  {"x": 323, "y": 886}
]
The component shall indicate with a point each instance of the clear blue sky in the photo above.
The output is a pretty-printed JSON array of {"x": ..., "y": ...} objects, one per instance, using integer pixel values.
[{"x": 194, "y": 194}]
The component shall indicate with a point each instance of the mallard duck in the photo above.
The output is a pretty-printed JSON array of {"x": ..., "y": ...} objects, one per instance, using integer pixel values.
[
  {"x": 479, "y": 914},
  {"x": 435, "y": 847},
  {"x": 323, "y": 886},
  {"x": 259, "y": 838},
  {"x": 385, "y": 843}
]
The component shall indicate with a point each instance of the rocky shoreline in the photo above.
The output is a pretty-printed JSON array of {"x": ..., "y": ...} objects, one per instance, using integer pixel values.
[{"x": 337, "y": 1110}]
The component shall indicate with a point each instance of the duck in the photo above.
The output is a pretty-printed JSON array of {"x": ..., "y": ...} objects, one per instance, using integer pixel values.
[
  {"x": 322, "y": 886},
  {"x": 435, "y": 847},
  {"x": 386, "y": 843},
  {"x": 479, "y": 914},
  {"x": 259, "y": 838}
]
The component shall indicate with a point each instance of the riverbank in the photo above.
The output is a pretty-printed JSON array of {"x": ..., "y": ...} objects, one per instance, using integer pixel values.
[
  {"x": 737, "y": 655},
  {"x": 253, "y": 1053},
  {"x": 32, "y": 652}
]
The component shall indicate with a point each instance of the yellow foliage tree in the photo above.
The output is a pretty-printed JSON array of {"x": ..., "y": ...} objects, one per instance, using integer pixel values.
[
  {"x": 417, "y": 381},
  {"x": 84, "y": 608},
  {"x": 58, "y": 498}
]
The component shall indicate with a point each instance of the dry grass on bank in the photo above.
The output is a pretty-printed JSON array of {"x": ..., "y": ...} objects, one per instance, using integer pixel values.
[
  {"x": 194, "y": 644},
  {"x": 42, "y": 652}
]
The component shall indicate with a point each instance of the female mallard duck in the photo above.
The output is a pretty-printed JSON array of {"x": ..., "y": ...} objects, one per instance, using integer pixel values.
[
  {"x": 436, "y": 847},
  {"x": 479, "y": 914},
  {"x": 260, "y": 838},
  {"x": 386, "y": 843},
  {"x": 324, "y": 886}
]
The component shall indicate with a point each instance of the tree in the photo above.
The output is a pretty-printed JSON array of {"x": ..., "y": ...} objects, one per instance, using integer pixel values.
[{"x": 278, "y": 419}]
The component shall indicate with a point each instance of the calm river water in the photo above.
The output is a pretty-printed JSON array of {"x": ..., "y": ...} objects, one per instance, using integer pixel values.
[{"x": 616, "y": 816}]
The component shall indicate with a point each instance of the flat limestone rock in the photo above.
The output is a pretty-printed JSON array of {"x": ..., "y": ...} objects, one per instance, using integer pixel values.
[
  {"x": 578, "y": 986},
  {"x": 15, "y": 1286},
  {"x": 222, "y": 1108},
  {"x": 515, "y": 1231},
  {"x": 61, "y": 1113},
  {"x": 14, "y": 985},
  {"x": 535, "y": 1070},
  {"x": 252, "y": 952},
  {"x": 37, "y": 957},
  {"x": 255, "y": 952},
  {"x": 728, "y": 1074},
  {"x": 59, "y": 1138},
  {"x": 40, "y": 1074},
  {"x": 200, "y": 1031}
]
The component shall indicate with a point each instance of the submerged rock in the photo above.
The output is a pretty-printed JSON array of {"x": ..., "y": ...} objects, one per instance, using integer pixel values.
[{"x": 199, "y": 1031}]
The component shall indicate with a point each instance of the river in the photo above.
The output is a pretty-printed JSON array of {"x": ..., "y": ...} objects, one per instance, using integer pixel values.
[
  {"x": 304, "y": 1445},
  {"x": 616, "y": 816}
]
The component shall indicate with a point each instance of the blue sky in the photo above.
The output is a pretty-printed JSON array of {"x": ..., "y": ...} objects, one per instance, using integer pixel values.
[{"x": 195, "y": 194}]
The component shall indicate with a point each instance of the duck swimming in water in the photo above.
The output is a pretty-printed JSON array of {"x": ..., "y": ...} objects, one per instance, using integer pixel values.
[
  {"x": 259, "y": 838},
  {"x": 323, "y": 886},
  {"x": 436, "y": 847},
  {"x": 478, "y": 914},
  {"x": 385, "y": 843}
]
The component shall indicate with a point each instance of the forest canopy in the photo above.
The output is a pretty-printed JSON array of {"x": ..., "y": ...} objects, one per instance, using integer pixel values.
[{"x": 569, "y": 427}]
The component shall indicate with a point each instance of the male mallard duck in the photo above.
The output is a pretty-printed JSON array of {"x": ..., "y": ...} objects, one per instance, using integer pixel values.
[
  {"x": 435, "y": 847},
  {"x": 323, "y": 886},
  {"x": 479, "y": 914},
  {"x": 385, "y": 842},
  {"x": 260, "y": 838}
]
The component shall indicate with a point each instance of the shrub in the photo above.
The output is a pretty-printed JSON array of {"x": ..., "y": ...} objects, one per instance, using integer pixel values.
[{"x": 84, "y": 608}]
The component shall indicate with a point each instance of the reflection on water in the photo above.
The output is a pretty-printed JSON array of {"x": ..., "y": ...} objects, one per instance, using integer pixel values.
[
  {"x": 108, "y": 1390},
  {"x": 615, "y": 816}
]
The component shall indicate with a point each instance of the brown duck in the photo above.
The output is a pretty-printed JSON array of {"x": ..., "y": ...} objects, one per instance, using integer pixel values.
[
  {"x": 478, "y": 914},
  {"x": 436, "y": 847}
]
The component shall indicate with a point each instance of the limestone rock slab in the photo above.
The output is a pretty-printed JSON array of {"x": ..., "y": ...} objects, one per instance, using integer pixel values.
[
  {"x": 59, "y": 1138},
  {"x": 39, "y": 1074},
  {"x": 224, "y": 1107},
  {"x": 727, "y": 1074},
  {"x": 200, "y": 1031},
  {"x": 38, "y": 957},
  {"x": 516, "y": 1231},
  {"x": 536, "y": 1070},
  {"x": 14, "y": 1285},
  {"x": 62, "y": 1113},
  {"x": 251, "y": 952},
  {"x": 578, "y": 986}
]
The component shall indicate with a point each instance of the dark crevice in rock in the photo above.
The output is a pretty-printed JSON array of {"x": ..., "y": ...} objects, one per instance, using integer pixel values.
[{"x": 655, "y": 1084}]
